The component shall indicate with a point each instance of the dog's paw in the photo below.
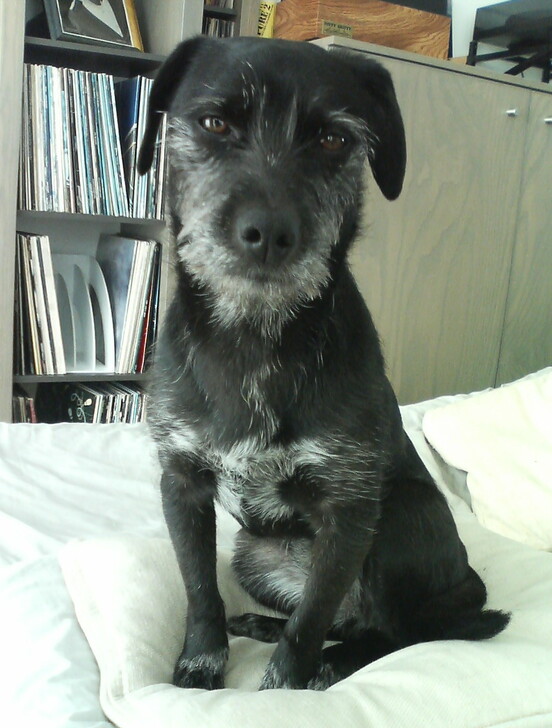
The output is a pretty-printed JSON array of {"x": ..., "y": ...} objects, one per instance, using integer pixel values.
[
  {"x": 325, "y": 677},
  {"x": 204, "y": 671},
  {"x": 275, "y": 677},
  {"x": 257, "y": 627}
]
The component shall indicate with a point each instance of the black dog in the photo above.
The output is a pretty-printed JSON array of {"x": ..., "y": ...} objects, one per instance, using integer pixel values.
[{"x": 269, "y": 389}]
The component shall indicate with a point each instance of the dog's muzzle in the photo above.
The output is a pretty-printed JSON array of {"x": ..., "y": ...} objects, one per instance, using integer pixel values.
[{"x": 266, "y": 236}]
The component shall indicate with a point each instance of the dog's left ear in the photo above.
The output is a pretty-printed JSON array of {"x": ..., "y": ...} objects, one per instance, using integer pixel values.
[
  {"x": 380, "y": 110},
  {"x": 164, "y": 87}
]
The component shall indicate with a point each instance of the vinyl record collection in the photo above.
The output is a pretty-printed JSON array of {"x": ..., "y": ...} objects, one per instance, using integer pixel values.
[
  {"x": 93, "y": 403},
  {"x": 79, "y": 143},
  {"x": 83, "y": 313}
]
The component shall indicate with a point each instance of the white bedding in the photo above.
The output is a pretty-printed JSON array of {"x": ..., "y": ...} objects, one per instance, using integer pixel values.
[{"x": 71, "y": 482}]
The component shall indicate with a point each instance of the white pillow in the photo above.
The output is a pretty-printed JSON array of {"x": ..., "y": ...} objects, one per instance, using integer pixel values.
[
  {"x": 502, "y": 438},
  {"x": 131, "y": 605},
  {"x": 48, "y": 676}
]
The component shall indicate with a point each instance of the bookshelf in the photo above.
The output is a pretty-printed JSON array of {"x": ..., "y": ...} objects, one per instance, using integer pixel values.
[
  {"x": 75, "y": 195},
  {"x": 162, "y": 27}
]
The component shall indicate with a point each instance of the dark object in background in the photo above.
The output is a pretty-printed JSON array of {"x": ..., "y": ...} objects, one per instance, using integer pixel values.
[
  {"x": 430, "y": 6},
  {"x": 522, "y": 28},
  {"x": 104, "y": 22}
]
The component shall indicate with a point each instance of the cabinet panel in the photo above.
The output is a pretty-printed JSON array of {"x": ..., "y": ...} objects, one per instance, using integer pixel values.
[
  {"x": 434, "y": 265},
  {"x": 527, "y": 342},
  {"x": 162, "y": 29},
  {"x": 11, "y": 59}
]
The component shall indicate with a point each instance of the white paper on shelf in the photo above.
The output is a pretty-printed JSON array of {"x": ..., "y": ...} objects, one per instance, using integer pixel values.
[
  {"x": 95, "y": 280},
  {"x": 98, "y": 319},
  {"x": 83, "y": 317},
  {"x": 66, "y": 321}
]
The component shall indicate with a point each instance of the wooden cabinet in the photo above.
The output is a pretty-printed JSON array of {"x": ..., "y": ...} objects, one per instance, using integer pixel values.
[
  {"x": 457, "y": 272},
  {"x": 527, "y": 337}
]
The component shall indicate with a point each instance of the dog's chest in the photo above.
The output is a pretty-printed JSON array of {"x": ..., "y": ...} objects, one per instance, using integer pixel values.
[{"x": 249, "y": 480}]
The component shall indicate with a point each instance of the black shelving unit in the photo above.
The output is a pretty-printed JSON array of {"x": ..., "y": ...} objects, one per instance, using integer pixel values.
[
  {"x": 522, "y": 29},
  {"x": 115, "y": 61},
  {"x": 219, "y": 21},
  {"x": 77, "y": 377},
  {"x": 222, "y": 13},
  {"x": 26, "y": 216},
  {"x": 120, "y": 63}
]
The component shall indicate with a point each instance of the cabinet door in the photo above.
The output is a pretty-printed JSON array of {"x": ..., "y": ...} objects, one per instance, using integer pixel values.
[
  {"x": 434, "y": 265},
  {"x": 527, "y": 342}
]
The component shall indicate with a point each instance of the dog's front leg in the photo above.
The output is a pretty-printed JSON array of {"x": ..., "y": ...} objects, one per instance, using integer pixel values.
[
  {"x": 340, "y": 547},
  {"x": 187, "y": 493}
]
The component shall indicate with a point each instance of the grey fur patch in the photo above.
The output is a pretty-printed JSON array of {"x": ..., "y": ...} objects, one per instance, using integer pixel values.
[
  {"x": 324, "y": 678},
  {"x": 277, "y": 569},
  {"x": 251, "y": 473},
  {"x": 202, "y": 671},
  {"x": 213, "y": 662},
  {"x": 273, "y": 680}
]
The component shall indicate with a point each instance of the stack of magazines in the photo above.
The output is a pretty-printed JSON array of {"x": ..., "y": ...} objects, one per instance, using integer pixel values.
[
  {"x": 83, "y": 313},
  {"x": 98, "y": 403},
  {"x": 74, "y": 156}
]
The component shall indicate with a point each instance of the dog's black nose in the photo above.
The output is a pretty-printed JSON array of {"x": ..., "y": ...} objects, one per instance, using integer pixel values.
[{"x": 267, "y": 236}]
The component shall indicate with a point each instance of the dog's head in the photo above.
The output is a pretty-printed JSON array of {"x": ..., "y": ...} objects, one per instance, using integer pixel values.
[{"x": 267, "y": 145}]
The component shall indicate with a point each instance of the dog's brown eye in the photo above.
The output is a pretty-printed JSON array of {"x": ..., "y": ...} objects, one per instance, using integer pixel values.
[
  {"x": 332, "y": 142},
  {"x": 214, "y": 124}
]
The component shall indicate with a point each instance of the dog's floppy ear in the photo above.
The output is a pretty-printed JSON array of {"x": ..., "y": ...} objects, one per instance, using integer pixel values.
[
  {"x": 164, "y": 87},
  {"x": 381, "y": 112}
]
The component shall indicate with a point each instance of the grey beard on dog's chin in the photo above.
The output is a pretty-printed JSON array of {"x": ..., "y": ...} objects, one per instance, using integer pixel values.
[{"x": 266, "y": 302}]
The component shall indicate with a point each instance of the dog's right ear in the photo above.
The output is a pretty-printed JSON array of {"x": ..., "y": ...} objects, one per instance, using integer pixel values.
[
  {"x": 380, "y": 110},
  {"x": 164, "y": 87}
]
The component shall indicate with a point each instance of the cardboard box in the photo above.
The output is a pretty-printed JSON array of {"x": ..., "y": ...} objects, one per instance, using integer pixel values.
[{"x": 374, "y": 21}]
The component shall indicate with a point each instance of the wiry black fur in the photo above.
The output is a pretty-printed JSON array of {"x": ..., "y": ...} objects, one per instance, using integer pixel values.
[{"x": 269, "y": 388}]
